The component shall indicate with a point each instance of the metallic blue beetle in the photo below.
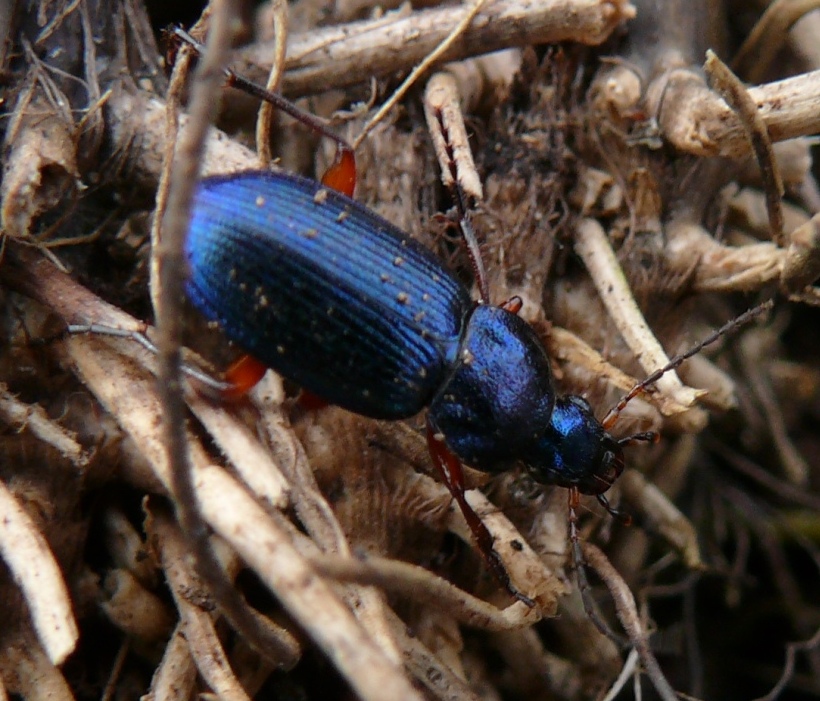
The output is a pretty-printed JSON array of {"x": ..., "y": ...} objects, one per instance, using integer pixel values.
[{"x": 343, "y": 303}]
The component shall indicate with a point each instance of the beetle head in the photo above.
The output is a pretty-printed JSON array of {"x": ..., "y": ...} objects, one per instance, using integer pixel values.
[{"x": 576, "y": 450}]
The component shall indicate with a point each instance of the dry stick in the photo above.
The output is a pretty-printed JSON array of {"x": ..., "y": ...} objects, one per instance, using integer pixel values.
[
  {"x": 445, "y": 122},
  {"x": 573, "y": 351},
  {"x": 33, "y": 677},
  {"x": 34, "y": 569},
  {"x": 266, "y": 547},
  {"x": 722, "y": 268},
  {"x": 768, "y": 36},
  {"x": 525, "y": 567},
  {"x": 592, "y": 245},
  {"x": 265, "y": 119},
  {"x": 730, "y": 326},
  {"x": 170, "y": 262},
  {"x": 36, "y": 421},
  {"x": 92, "y": 83},
  {"x": 116, "y": 671},
  {"x": 697, "y": 121},
  {"x": 627, "y": 671},
  {"x": 502, "y": 24},
  {"x": 457, "y": 88},
  {"x": 354, "y": 53},
  {"x": 788, "y": 668},
  {"x": 175, "y": 676},
  {"x": 628, "y": 616},
  {"x": 319, "y": 520},
  {"x": 733, "y": 91},
  {"x": 661, "y": 516},
  {"x": 171, "y": 124},
  {"x": 591, "y": 609},
  {"x": 415, "y": 582},
  {"x": 200, "y": 630},
  {"x": 145, "y": 114},
  {"x": 250, "y": 458},
  {"x": 54, "y": 23},
  {"x": 428, "y": 61},
  {"x": 311, "y": 507},
  {"x": 801, "y": 266},
  {"x": 428, "y": 668}
]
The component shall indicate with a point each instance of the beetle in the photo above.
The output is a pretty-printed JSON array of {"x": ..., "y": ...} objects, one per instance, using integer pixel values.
[{"x": 340, "y": 301}]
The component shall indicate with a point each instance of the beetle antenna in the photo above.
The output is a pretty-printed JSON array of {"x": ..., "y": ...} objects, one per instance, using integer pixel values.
[
  {"x": 678, "y": 360},
  {"x": 621, "y": 516},
  {"x": 234, "y": 80},
  {"x": 471, "y": 242}
]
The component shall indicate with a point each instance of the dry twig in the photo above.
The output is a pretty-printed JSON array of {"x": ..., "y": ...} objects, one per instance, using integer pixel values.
[
  {"x": 350, "y": 54},
  {"x": 31, "y": 562}
]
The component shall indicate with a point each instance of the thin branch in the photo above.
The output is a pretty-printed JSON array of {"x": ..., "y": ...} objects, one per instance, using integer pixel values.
[
  {"x": 592, "y": 245},
  {"x": 32, "y": 564},
  {"x": 420, "y": 584},
  {"x": 628, "y": 615},
  {"x": 354, "y": 53},
  {"x": 696, "y": 120},
  {"x": 279, "y": 9},
  {"x": 175, "y": 675},
  {"x": 733, "y": 91},
  {"x": 200, "y": 626},
  {"x": 768, "y": 36},
  {"x": 170, "y": 261},
  {"x": 32, "y": 418},
  {"x": 430, "y": 60},
  {"x": 788, "y": 668}
]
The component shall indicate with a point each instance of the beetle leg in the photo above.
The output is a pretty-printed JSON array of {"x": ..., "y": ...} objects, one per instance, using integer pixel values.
[
  {"x": 513, "y": 304},
  {"x": 449, "y": 466},
  {"x": 590, "y": 607},
  {"x": 617, "y": 514},
  {"x": 341, "y": 175},
  {"x": 242, "y": 376}
]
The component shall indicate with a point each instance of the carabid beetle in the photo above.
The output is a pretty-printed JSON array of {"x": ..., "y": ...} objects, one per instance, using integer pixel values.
[{"x": 340, "y": 301}]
